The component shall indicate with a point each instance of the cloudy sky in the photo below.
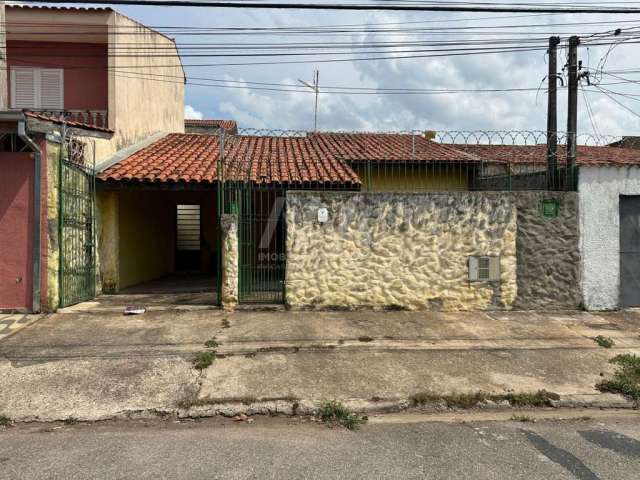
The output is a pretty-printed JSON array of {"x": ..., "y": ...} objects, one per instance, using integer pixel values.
[{"x": 461, "y": 111}]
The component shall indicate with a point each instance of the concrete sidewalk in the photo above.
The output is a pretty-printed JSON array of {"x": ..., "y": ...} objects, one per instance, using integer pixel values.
[{"x": 91, "y": 362}]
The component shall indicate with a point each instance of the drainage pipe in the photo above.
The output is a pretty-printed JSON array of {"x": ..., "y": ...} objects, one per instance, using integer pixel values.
[{"x": 37, "y": 221}]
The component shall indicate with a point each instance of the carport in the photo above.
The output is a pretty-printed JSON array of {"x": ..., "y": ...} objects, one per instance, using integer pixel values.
[{"x": 158, "y": 222}]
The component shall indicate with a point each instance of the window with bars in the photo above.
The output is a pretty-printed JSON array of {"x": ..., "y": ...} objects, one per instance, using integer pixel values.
[
  {"x": 188, "y": 220},
  {"x": 37, "y": 88}
]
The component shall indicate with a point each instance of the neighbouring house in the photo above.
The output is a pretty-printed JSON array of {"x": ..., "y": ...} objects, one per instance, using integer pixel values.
[
  {"x": 609, "y": 211},
  {"x": 401, "y": 162},
  {"x": 66, "y": 104},
  {"x": 209, "y": 126}
]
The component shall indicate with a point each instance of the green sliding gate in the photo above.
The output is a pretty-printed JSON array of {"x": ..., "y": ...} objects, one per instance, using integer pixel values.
[{"x": 76, "y": 225}]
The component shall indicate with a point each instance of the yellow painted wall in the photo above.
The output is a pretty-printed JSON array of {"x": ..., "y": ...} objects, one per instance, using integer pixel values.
[
  {"x": 108, "y": 238},
  {"x": 143, "y": 238},
  {"x": 412, "y": 178}
]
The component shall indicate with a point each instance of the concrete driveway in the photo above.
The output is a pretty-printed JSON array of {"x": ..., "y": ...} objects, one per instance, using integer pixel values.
[{"x": 91, "y": 361}]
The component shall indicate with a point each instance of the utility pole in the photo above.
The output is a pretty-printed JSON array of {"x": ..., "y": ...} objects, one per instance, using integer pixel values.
[
  {"x": 315, "y": 88},
  {"x": 572, "y": 110},
  {"x": 552, "y": 114}
]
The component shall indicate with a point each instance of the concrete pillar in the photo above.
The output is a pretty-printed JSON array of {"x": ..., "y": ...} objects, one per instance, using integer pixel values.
[
  {"x": 107, "y": 213},
  {"x": 4, "y": 86},
  {"x": 53, "y": 234},
  {"x": 230, "y": 260}
]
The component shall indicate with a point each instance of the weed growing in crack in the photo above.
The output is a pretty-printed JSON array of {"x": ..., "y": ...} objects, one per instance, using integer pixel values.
[
  {"x": 4, "y": 421},
  {"x": 541, "y": 398},
  {"x": 605, "y": 342},
  {"x": 455, "y": 400},
  {"x": 211, "y": 343},
  {"x": 70, "y": 420},
  {"x": 522, "y": 418},
  {"x": 189, "y": 401},
  {"x": 203, "y": 360},
  {"x": 422, "y": 398},
  {"x": 626, "y": 379},
  {"x": 333, "y": 412}
]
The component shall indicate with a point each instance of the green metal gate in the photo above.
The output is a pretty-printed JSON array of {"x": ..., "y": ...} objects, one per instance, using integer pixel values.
[
  {"x": 76, "y": 222},
  {"x": 261, "y": 227},
  {"x": 261, "y": 245}
]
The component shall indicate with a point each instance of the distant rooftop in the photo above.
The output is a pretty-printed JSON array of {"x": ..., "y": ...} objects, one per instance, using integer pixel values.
[{"x": 228, "y": 125}]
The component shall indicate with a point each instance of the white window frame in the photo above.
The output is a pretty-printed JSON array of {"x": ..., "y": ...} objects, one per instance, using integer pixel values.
[{"x": 37, "y": 85}]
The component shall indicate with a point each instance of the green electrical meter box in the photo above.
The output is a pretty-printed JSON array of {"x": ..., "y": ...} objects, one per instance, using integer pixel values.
[{"x": 550, "y": 208}]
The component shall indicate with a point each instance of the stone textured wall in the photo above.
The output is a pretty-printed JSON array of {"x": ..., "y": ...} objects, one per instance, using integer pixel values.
[
  {"x": 230, "y": 261},
  {"x": 52, "y": 212},
  {"x": 389, "y": 250},
  {"x": 548, "y": 252}
]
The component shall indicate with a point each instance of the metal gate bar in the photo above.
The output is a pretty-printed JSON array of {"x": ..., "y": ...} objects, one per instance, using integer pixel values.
[
  {"x": 76, "y": 223},
  {"x": 261, "y": 238}
]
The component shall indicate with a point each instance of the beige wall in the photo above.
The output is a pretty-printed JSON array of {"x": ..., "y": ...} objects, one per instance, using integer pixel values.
[
  {"x": 139, "y": 107},
  {"x": 399, "y": 250}
]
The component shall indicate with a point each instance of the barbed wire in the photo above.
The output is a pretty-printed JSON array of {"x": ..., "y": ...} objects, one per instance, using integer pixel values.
[
  {"x": 462, "y": 137},
  {"x": 416, "y": 160}
]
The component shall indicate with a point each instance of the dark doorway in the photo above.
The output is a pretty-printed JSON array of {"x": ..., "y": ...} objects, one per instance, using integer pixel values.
[{"x": 630, "y": 251}]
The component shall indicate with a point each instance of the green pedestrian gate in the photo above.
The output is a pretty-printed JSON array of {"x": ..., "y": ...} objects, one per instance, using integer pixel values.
[
  {"x": 76, "y": 222},
  {"x": 261, "y": 245}
]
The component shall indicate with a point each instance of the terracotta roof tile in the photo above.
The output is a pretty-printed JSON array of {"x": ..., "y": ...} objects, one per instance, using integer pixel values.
[
  {"x": 264, "y": 160},
  {"x": 355, "y": 147},
  {"x": 55, "y": 7},
  {"x": 533, "y": 154},
  {"x": 224, "y": 124},
  {"x": 70, "y": 123}
]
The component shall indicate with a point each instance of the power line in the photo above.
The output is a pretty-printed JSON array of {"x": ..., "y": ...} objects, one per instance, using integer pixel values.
[{"x": 619, "y": 103}]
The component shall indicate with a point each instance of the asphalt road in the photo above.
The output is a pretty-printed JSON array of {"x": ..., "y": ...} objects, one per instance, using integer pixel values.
[{"x": 585, "y": 448}]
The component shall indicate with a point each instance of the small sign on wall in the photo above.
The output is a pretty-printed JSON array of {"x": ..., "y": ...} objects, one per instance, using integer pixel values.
[
  {"x": 323, "y": 215},
  {"x": 550, "y": 208}
]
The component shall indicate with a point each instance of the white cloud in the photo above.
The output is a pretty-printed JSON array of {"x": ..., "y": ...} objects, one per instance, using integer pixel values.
[
  {"x": 192, "y": 113},
  {"x": 464, "y": 111}
]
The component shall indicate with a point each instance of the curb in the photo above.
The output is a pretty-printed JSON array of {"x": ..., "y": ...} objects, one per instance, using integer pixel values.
[
  {"x": 291, "y": 407},
  {"x": 310, "y": 407}
]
